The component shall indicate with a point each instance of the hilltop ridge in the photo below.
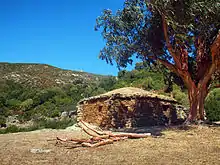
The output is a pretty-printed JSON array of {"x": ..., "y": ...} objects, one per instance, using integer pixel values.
[{"x": 43, "y": 75}]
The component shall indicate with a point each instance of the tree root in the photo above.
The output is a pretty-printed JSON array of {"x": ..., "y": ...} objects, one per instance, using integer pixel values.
[{"x": 100, "y": 137}]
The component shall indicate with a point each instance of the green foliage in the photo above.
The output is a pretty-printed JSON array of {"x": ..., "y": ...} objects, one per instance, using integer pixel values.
[
  {"x": 212, "y": 105},
  {"x": 180, "y": 96},
  {"x": 140, "y": 78},
  {"x": 2, "y": 100},
  {"x": 10, "y": 129},
  {"x": 131, "y": 31},
  {"x": 46, "y": 95},
  {"x": 201, "y": 17},
  {"x": 59, "y": 124},
  {"x": 60, "y": 100},
  {"x": 2, "y": 119},
  {"x": 13, "y": 103},
  {"x": 28, "y": 93},
  {"x": 107, "y": 83},
  {"x": 47, "y": 109},
  {"x": 26, "y": 105},
  {"x": 29, "y": 102}
]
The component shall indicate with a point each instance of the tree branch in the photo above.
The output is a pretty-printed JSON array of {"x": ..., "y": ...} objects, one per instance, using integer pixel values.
[
  {"x": 168, "y": 65},
  {"x": 184, "y": 74},
  {"x": 215, "y": 49},
  {"x": 215, "y": 52},
  {"x": 169, "y": 46}
]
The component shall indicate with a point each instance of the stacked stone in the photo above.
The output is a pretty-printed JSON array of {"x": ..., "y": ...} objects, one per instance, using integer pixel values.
[
  {"x": 118, "y": 110},
  {"x": 79, "y": 112}
]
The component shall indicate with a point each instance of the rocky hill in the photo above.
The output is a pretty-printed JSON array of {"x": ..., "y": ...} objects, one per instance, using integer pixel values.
[
  {"x": 42, "y": 75},
  {"x": 33, "y": 92}
]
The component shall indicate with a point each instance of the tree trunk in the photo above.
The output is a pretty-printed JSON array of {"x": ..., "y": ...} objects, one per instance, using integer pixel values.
[
  {"x": 193, "y": 100},
  {"x": 197, "y": 100},
  {"x": 201, "y": 101}
]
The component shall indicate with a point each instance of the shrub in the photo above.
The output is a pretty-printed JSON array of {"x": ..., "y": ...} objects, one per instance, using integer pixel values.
[
  {"x": 2, "y": 120},
  {"x": 212, "y": 105},
  {"x": 10, "y": 129},
  {"x": 13, "y": 103},
  {"x": 26, "y": 105},
  {"x": 55, "y": 124},
  {"x": 180, "y": 96}
]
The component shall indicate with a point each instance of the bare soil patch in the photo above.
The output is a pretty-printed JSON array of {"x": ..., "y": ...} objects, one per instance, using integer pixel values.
[{"x": 198, "y": 145}]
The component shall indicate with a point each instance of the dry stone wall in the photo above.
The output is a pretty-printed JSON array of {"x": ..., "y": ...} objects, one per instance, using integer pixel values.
[{"x": 131, "y": 110}]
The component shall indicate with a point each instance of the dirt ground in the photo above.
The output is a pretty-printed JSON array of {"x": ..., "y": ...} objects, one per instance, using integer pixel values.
[{"x": 198, "y": 145}]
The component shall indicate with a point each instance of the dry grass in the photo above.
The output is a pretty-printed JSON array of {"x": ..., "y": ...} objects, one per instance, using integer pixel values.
[
  {"x": 199, "y": 145},
  {"x": 132, "y": 91}
]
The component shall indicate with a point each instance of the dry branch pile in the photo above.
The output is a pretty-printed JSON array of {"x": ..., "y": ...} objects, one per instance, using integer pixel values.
[{"x": 100, "y": 137}]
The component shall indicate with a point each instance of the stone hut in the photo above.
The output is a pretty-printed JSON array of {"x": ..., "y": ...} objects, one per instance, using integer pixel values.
[{"x": 130, "y": 107}]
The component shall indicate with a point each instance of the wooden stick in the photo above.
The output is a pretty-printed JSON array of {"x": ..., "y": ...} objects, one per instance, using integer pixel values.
[
  {"x": 63, "y": 140},
  {"x": 132, "y": 135},
  {"x": 118, "y": 138},
  {"x": 94, "y": 130},
  {"x": 104, "y": 136},
  {"x": 77, "y": 141},
  {"x": 89, "y": 133},
  {"x": 110, "y": 134},
  {"x": 101, "y": 143}
]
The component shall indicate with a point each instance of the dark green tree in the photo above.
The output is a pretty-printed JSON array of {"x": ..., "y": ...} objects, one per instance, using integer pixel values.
[
  {"x": 183, "y": 35},
  {"x": 107, "y": 83},
  {"x": 212, "y": 105}
]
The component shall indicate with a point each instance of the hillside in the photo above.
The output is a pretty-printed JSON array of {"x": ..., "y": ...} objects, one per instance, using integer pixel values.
[
  {"x": 42, "y": 75},
  {"x": 35, "y": 91},
  {"x": 38, "y": 92}
]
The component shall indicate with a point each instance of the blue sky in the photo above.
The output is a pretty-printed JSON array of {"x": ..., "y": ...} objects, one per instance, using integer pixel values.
[{"x": 56, "y": 32}]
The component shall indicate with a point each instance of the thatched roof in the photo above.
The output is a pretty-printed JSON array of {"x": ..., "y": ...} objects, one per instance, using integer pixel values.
[{"x": 129, "y": 92}]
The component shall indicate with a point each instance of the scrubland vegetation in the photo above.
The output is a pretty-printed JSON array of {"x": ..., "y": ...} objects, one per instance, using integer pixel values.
[{"x": 43, "y": 106}]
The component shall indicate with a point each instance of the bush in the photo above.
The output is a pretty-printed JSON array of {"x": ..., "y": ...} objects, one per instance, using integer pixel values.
[
  {"x": 10, "y": 129},
  {"x": 14, "y": 129},
  {"x": 55, "y": 124},
  {"x": 180, "y": 96},
  {"x": 13, "y": 103},
  {"x": 2, "y": 120},
  {"x": 212, "y": 105},
  {"x": 26, "y": 105},
  {"x": 48, "y": 109}
]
